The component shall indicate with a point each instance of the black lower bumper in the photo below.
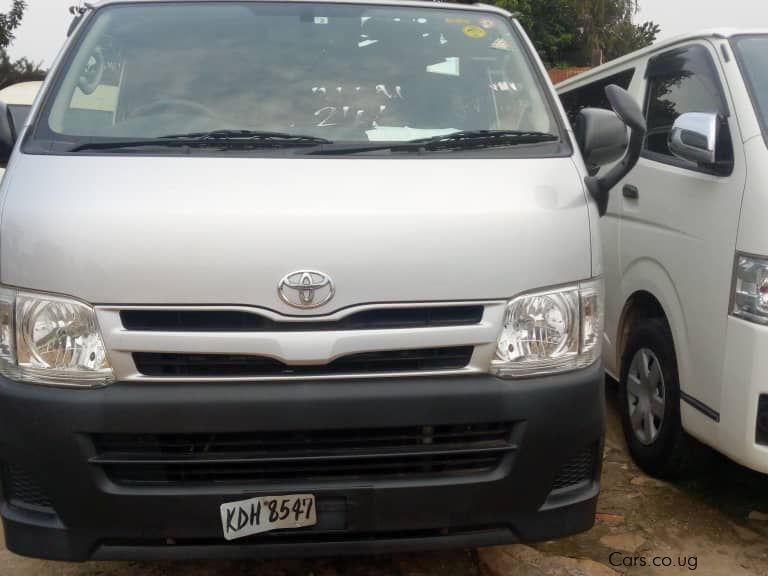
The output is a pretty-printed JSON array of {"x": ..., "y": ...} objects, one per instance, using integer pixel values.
[{"x": 75, "y": 511}]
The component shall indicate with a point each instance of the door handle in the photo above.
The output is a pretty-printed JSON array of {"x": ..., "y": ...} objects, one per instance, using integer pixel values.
[{"x": 631, "y": 192}]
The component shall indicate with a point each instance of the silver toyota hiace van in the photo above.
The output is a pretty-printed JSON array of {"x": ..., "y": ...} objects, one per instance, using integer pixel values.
[{"x": 300, "y": 278}]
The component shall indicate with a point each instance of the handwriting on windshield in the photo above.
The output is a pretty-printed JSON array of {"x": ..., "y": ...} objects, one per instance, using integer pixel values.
[{"x": 358, "y": 105}]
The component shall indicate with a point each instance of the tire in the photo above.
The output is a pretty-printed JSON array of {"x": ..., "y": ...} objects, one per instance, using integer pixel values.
[{"x": 654, "y": 433}]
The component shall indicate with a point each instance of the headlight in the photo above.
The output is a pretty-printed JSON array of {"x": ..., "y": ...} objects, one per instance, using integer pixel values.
[
  {"x": 51, "y": 340},
  {"x": 553, "y": 331},
  {"x": 750, "y": 297}
]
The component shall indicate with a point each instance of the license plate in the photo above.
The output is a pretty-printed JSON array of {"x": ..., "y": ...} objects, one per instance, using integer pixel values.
[{"x": 265, "y": 513}]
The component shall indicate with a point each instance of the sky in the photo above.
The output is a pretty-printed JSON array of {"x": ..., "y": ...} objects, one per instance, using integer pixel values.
[{"x": 46, "y": 21}]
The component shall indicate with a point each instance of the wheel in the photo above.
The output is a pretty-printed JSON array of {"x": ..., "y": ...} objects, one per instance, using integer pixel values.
[{"x": 649, "y": 401}]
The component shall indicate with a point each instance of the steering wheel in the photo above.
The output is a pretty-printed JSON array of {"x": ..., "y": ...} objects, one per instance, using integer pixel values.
[
  {"x": 91, "y": 76},
  {"x": 171, "y": 105}
]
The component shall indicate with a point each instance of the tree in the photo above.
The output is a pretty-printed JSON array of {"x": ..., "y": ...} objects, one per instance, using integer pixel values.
[
  {"x": 551, "y": 24},
  {"x": 22, "y": 70},
  {"x": 582, "y": 32},
  {"x": 627, "y": 37},
  {"x": 609, "y": 30},
  {"x": 10, "y": 21}
]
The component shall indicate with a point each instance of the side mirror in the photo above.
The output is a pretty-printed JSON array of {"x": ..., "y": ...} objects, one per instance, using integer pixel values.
[
  {"x": 601, "y": 136},
  {"x": 604, "y": 142},
  {"x": 694, "y": 137},
  {"x": 7, "y": 134}
]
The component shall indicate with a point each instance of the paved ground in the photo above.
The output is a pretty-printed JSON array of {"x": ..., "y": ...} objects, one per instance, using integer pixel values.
[{"x": 716, "y": 525}]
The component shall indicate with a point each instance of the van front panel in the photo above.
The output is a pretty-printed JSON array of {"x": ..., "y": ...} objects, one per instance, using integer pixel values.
[{"x": 296, "y": 278}]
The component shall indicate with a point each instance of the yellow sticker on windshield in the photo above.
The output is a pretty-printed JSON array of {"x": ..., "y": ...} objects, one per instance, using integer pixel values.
[{"x": 474, "y": 31}]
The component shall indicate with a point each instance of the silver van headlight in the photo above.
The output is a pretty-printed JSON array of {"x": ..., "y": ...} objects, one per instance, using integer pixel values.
[
  {"x": 51, "y": 340},
  {"x": 551, "y": 331}
]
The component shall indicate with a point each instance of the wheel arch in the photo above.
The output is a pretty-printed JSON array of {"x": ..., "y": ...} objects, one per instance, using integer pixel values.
[
  {"x": 639, "y": 305},
  {"x": 650, "y": 293}
]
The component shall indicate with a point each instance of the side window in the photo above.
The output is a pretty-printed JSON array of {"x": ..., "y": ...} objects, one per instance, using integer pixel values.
[
  {"x": 681, "y": 81},
  {"x": 593, "y": 95}
]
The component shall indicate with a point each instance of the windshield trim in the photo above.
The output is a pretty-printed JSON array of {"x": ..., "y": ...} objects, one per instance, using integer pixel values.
[
  {"x": 481, "y": 8},
  {"x": 762, "y": 115},
  {"x": 537, "y": 151},
  {"x": 34, "y": 145}
]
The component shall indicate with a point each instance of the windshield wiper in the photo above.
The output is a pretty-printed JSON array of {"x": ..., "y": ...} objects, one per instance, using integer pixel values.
[
  {"x": 461, "y": 140},
  {"x": 484, "y": 139},
  {"x": 250, "y": 136},
  {"x": 213, "y": 139}
]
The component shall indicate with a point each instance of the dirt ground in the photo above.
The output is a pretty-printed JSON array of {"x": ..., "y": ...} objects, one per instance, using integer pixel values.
[{"x": 714, "y": 525}]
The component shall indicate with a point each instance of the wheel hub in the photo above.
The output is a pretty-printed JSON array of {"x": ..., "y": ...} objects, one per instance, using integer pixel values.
[{"x": 646, "y": 396}]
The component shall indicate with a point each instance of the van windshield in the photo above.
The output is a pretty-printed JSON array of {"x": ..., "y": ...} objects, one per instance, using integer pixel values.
[
  {"x": 341, "y": 72},
  {"x": 751, "y": 51}
]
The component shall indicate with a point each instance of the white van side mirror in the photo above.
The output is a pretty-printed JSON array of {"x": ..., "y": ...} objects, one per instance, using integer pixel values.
[{"x": 694, "y": 137}]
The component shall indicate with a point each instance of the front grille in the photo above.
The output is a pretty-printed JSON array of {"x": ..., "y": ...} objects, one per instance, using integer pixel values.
[
  {"x": 217, "y": 365},
  {"x": 241, "y": 321},
  {"x": 259, "y": 457},
  {"x": 21, "y": 490},
  {"x": 581, "y": 468}
]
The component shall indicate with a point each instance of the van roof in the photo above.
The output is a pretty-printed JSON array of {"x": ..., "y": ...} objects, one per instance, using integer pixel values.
[
  {"x": 712, "y": 34},
  {"x": 456, "y": 5},
  {"x": 20, "y": 94}
]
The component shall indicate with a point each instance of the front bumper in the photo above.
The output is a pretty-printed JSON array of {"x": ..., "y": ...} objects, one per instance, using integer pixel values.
[
  {"x": 47, "y": 433},
  {"x": 743, "y": 383}
]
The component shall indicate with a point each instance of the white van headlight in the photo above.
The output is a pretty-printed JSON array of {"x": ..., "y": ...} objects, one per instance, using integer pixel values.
[
  {"x": 552, "y": 331},
  {"x": 750, "y": 289},
  {"x": 51, "y": 340}
]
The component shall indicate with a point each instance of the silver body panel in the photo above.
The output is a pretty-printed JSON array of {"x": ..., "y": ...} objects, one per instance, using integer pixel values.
[
  {"x": 220, "y": 234},
  {"x": 175, "y": 230}
]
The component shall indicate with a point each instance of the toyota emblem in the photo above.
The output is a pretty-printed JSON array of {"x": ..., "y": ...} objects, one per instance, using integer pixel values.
[{"x": 306, "y": 289}]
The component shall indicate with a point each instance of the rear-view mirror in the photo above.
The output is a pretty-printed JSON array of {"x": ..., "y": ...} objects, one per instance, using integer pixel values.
[
  {"x": 599, "y": 134},
  {"x": 7, "y": 134},
  {"x": 694, "y": 137}
]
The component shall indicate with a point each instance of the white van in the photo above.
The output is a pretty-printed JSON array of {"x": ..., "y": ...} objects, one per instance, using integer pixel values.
[
  {"x": 685, "y": 248},
  {"x": 300, "y": 277},
  {"x": 18, "y": 99}
]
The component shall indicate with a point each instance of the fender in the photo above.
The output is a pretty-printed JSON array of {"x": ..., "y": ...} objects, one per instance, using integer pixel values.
[{"x": 649, "y": 275}]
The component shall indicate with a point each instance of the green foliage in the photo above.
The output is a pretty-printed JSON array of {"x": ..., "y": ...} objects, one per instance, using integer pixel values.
[
  {"x": 10, "y": 21},
  {"x": 551, "y": 25},
  {"x": 577, "y": 32},
  {"x": 13, "y": 71},
  {"x": 22, "y": 70},
  {"x": 626, "y": 37}
]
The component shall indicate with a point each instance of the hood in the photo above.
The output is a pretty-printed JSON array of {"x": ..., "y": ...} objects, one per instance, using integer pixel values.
[{"x": 192, "y": 230}]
